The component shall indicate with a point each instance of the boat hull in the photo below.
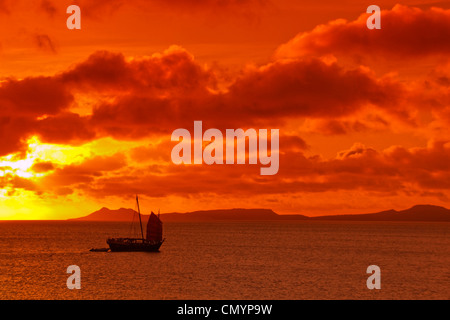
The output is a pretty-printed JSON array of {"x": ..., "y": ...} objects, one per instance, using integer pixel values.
[{"x": 132, "y": 245}]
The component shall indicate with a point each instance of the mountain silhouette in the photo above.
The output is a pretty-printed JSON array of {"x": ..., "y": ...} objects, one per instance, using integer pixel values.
[
  {"x": 415, "y": 213},
  {"x": 105, "y": 214}
]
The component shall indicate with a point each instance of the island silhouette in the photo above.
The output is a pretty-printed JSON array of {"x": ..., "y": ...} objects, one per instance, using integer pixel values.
[{"x": 429, "y": 213}]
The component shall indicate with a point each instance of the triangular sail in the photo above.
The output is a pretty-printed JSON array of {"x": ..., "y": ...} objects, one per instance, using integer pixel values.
[{"x": 154, "y": 228}]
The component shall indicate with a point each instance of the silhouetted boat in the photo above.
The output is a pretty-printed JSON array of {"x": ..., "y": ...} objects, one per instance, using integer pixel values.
[{"x": 152, "y": 242}]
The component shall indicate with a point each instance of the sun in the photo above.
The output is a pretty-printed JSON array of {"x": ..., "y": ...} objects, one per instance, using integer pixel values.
[
  {"x": 23, "y": 196},
  {"x": 39, "y": 152},
  {"x": 22, "y": 167}
]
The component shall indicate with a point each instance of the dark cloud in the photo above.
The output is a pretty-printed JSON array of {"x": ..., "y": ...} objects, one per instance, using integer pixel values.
[
  {"x": 406, "y": 33},
  {"x": 173, "y": 72},
  {"x": 179, "y": 93},
  {"x": 22, "y": 102},
  {"x": 14, "y": 182},
  {"x": 48, "y": 7},
  {"x": 44, "y": 43},
  {"x": 41, "y": 167},
  {"x": 4, "y": 7},
  {"x": 341, "y": 127},
  {"x": 312, "y": 88},
  {"x": 153, "y": 96},
  {"x": 64, "y": 128},
  {"x": 14, "y": 131},
  {"x": 34, "y": 96}
]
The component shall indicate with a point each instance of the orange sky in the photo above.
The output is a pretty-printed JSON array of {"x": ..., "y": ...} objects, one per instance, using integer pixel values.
[{"x": 86, "y": 115}]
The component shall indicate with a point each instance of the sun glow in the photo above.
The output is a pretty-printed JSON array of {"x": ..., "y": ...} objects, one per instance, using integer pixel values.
[
  {"x": 27, "y": 205},
  {"x": 39, "y": 152},
  {"x": 23, "y": 194},
  {"x": 16, "y": 167}
]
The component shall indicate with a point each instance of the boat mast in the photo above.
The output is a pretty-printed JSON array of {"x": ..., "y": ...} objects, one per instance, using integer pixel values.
[{"x": 140, "y": 221}]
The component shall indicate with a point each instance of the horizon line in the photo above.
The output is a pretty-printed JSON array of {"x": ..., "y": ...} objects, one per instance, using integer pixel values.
[{"x": 279, "y": 214}]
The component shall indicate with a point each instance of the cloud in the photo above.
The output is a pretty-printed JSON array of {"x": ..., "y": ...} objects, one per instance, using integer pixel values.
[
  {"x": 406, "y": 33},
  {"x": 41, "y": 167},
  {"x": 292, "y": 142},
  {"x": 340, "y": 127},
  {"x": 4, "y": 7},
  {"x": 152, "y": 96},
  {"x": 34, "y": 96},
  {"x": 13, "y": 133},
  {"x": 22, "y": 103},
  {"x": 173, "y": 71},
  {"x": 100, "y": 8},
  {"x": 394, "y": 171},
  {"x": 140, "y": 91},
  {"x": 173, "y": 95},
  {"x": 357, "y": 150},
  {"x": 64, "y": 128},
  {"x": 215, "y": 3},
  {"x": 11, "y": 182},
  {"x": 156, "y": 152},
  {"x": 44, "y": 43},
  {"x": 85, "y": 172},
  {"x": 48, "y": 7},
  {"x": 312, "y": 88},
  {"x": 240, "y": 8}
]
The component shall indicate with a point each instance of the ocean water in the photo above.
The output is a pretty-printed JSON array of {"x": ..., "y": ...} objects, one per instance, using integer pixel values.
[{"x": 229, "y": 260}]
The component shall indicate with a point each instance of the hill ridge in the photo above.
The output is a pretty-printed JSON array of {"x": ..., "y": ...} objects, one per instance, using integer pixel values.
[{"x": 420, "y": 212}]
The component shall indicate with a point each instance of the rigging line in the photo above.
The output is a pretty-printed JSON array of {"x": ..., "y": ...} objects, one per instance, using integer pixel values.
[
  {"x": 140, "y": 219},
  {"x": 132, "y": 230}
]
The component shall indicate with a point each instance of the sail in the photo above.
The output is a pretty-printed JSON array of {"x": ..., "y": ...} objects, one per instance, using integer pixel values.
[{"x": 154, "y": 228}]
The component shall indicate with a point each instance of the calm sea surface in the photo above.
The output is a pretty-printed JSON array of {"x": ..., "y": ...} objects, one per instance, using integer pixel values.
[{"x": 232, "y": 260}]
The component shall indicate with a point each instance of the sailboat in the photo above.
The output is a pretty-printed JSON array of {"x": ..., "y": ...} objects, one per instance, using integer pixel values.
[{"x": 152, "y": 242}]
